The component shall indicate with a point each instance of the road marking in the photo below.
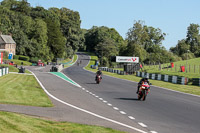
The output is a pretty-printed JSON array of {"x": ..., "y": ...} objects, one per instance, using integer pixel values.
[
  {"x": 83, "y": 88},
  {"x": 115, "y": 108},
  {"x": 87, "y": 91},
  {"x": 105, "y": 101},
  {"x": 131, "y": 117},
  {"x": 88, "y": 112},
  {"x": 109, "y": 104},
  {"x": 101, "y": 99},
  {"x": 97, "y": 96},
  {"x": 142, "y": 124},
  {"x": 153, "y": 132},
  {"x": 122, "y": 112}
]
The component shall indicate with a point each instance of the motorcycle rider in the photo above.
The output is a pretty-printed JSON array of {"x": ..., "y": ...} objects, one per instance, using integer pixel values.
[
  {"x": 99, "y": 72},
  {"x": 141, "y": 82}
]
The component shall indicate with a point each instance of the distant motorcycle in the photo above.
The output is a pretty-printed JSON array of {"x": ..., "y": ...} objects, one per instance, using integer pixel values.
[
  {"x": 143, "y": 91},
  {"x": 98, "y": 79}
]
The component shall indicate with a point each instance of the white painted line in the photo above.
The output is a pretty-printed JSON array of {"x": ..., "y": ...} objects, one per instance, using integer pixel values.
[
  {"x": 97, "y": 96},
  {"x": 87, "y": 91},
  {"x": 109, "y": 104},
  {"x": 101, "y": 99},
  {"x": 105, "y": 101},
  {"x": 153, "y": 132},
  {"x": 115, "y": 108},
  {"x": 88, "y": 112},
  {"x": 83, "y": 88},
  {"x": 91, "y": 93},
  {"x": 122, "y": 112},
  {"x": 142, "y": 124},
  {"x": 131, "y": 117}
]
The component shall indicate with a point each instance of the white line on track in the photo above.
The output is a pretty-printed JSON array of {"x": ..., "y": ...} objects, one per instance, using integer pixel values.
[
  {"x": 101, "y": 99},
  {"x": 88, "y": 112},
  {"x": 122, "y": 112},
  {"x": 142, "y": 124},
  {"x": 109, "y": 104},
  {"x": 131, "y": 117},
  {"x": 105, "y": 101},
  {"x": 115, "y": 108},
  {"x": 83, "y": 88},
  {"x": 153, "y": 132}
]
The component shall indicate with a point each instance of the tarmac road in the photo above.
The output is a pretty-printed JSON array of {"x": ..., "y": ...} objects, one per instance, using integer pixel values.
[{"x": 164, "y": 111}]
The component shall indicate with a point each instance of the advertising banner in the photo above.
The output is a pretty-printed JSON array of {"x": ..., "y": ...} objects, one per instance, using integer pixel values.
[{"x": 127, "y": 59}]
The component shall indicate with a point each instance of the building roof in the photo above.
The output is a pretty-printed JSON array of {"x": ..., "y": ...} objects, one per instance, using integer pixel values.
[{"x": 6, "y": 39}]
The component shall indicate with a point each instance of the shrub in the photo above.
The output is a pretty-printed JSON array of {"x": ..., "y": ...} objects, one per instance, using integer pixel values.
[
  {"x": 24, "y": 58},
  {"x": 34, "y": 59},
  {"x": 16, "y": 57}
]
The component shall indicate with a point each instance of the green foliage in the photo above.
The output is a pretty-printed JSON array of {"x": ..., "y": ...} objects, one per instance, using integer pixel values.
[
  {"x": 46, "y": 34},
  {"x": 146, "y": 43},
  {"x": 105, "y": 42},
  {"x": 16, "y": 57},
  {"x": 190, "y": 44},
  {"x": 34, "y": 59},
  {"x": 25, "y": 58}
]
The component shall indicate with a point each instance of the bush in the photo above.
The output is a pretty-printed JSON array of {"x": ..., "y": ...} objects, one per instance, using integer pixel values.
[
  {"x": 188, "y": 56},
  {"x": 34, "y": 59},
  {"x": 5, "y": 55},
  {"x": 24, "y": 58},
  {"x": 16, "y": 57}
]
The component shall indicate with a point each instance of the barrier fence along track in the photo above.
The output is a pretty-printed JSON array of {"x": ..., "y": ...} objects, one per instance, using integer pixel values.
[
  {"x": 166, "y": 78},
  {"x": 4, "y": 71}
]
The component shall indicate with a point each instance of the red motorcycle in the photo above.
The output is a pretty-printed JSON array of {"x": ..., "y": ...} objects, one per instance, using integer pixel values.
[
  {"x": 98, "y": 79},
  {"x": 143, "y": 91}
]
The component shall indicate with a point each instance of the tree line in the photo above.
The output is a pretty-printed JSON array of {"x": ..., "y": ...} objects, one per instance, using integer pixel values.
[
  {"x": 53, "y": 33},
  {"x": 41, "y": 33}
]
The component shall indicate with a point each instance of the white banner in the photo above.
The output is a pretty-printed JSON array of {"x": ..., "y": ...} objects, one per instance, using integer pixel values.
[{"x": 127, "y": 59}]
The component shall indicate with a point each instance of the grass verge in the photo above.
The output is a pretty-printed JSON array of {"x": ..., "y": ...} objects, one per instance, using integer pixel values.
[
  {"x": 16, "y": 123},
  {"x": 23, "y": 90},
  {"x": 177, "y": 87}
]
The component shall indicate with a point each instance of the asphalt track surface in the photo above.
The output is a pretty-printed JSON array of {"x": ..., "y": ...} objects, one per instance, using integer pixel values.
[{"x": 164, "y": 111}]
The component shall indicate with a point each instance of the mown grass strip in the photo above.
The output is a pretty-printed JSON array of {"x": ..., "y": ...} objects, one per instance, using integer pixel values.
[
  {"x": 16, "y": 123},
  {"x": 23, "y": 90},
  {"x": 177, "y": 87}
]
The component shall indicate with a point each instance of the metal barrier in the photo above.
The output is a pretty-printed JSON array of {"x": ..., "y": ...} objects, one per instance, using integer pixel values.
[{"x": 4, "y": 71}]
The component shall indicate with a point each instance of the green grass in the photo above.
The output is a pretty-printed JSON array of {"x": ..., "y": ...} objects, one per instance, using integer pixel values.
[
  {"x": 193, "y": 68},
  {"x": 74, "y": 59},
  {"x": 18, "y": 62},
  {"x": 182, "y": 88},
  {"x": 17, "y": 123},
  {"x": 23, "y": 90}
]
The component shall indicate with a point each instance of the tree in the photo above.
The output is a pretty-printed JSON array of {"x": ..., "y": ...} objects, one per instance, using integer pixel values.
[
  {"x": 193, "y": 38},
  {"x": 106, "y": 49},
  {"x": 56, "y": 41}
]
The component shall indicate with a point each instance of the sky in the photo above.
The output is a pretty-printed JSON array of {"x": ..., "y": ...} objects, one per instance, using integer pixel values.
[{"x": 171, "y": 16}]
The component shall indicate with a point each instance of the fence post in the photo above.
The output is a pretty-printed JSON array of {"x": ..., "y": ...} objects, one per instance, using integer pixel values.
[{"x": 189, "y": 67}]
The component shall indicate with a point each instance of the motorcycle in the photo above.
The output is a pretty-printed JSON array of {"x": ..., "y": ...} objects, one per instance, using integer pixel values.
[
  {"x": 143, "y": 91},
  {"x": 98, "y": 79}
]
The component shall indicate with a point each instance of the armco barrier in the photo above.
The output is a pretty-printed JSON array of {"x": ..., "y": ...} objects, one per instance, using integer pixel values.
[
  {"x": 166, "y": 78},
  {"x": 196, "y": 81},
  {"x": 4, "y": 71},
  {"x": 169, "y": 78}
]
